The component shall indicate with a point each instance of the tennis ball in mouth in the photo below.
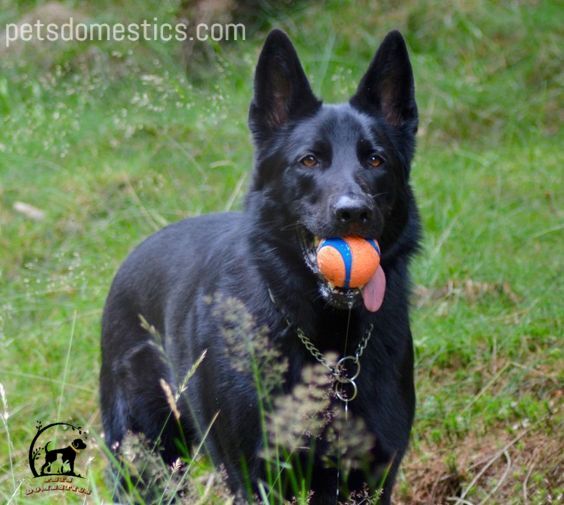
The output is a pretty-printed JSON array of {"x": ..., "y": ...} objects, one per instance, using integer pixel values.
[{"x": 348, "y": 262}]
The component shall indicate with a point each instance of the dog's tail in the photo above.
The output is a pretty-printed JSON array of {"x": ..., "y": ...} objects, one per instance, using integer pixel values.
[{"x": 46, "y": 447}]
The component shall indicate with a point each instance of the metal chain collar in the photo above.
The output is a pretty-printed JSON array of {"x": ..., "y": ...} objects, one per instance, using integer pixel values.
[{"x": 338, "y": 370}]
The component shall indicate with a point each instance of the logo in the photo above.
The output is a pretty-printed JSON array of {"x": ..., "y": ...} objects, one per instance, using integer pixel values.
[{"x": 56, "y": 459}]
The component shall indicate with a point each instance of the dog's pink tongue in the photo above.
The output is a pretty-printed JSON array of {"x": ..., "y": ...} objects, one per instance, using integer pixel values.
[{"x": 373, "y": 292}]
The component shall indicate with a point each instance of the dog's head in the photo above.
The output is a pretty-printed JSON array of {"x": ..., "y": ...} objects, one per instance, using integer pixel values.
[
  {"x": 78, "y": 444},
  {"x": 334, "y": 170}
]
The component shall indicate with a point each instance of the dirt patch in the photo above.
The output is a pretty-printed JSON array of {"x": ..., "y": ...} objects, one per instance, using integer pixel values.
[
  {"x": 466, "y": 289},
  {"x": 526, "y": 468}
]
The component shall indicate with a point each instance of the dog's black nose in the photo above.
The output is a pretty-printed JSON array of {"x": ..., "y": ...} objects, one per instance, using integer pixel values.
[{"x": 351, "y": 210}]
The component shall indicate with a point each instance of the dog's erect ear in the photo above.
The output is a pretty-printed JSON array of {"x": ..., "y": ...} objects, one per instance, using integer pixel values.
[
  {"x": 387, "y": 88},
  {"x": 282, "y": 91}
]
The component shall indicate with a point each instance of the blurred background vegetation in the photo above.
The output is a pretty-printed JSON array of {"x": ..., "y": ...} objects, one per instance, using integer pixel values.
[{"x": 110, "y": 141}]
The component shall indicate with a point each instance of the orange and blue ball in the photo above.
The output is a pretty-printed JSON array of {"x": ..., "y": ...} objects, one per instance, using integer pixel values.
[{"x": 348, "y": 262}]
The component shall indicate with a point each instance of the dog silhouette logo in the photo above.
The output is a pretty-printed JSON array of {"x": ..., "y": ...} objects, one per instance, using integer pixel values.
[{"x": 56, "y": 450}]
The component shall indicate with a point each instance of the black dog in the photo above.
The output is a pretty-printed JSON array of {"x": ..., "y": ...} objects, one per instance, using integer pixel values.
[
  {"x": 320, "y": 171},
  {"x": 68, "y": 455}
]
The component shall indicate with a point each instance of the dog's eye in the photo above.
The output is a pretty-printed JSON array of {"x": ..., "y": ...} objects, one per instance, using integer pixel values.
[
  {"x": 375, "y": 161},
  {"x": 309, "y": 161}
]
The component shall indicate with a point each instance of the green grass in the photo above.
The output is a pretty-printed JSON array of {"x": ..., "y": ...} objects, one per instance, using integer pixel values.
[{"x": 112, "y": 141}]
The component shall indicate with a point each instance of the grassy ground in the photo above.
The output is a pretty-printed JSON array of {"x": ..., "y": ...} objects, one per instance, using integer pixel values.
[{"x": 111, "y": 141}]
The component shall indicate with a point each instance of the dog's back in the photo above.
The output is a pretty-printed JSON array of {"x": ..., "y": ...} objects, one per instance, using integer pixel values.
[{"x": 159, "y": 283}]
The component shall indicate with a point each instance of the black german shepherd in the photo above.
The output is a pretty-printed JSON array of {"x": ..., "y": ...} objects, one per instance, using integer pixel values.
[{"x": 320, "y": 171}]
